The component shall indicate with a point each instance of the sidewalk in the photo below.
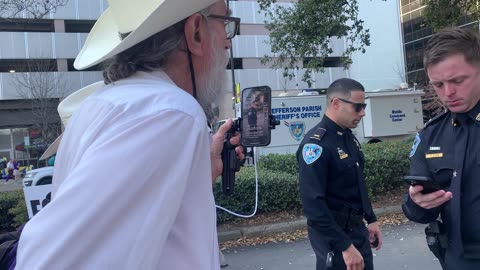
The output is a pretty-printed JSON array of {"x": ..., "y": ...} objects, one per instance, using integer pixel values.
[{"x": 288, "y": 226}]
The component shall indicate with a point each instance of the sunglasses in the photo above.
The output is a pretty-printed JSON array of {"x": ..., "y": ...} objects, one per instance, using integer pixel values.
[{"x": 358, "y": 107}]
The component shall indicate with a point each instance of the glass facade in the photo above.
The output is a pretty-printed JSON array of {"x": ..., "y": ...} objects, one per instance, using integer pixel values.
[{"x": 416, "y": 33}]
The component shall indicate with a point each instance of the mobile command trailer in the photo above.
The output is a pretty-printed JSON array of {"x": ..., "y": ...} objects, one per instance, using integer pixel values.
[{"x": 390, "y": 115}]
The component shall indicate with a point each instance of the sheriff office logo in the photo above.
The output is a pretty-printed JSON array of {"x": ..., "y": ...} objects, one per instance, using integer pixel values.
[{"x": 297, "y": 129}]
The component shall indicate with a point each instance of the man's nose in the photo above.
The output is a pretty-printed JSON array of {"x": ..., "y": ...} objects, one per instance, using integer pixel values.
[
  {"x": 450, "y": 89},
  {"x": 362, "y": 112}
]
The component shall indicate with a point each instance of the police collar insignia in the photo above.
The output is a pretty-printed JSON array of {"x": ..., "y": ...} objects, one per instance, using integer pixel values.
[
  {"x": 311, "y": 152},
  {"x": 342, "y": 153},
  {"x": 296, "y": 129},
  {"x": 415, "y": 145},
  {"x": 478, "y": 117}
]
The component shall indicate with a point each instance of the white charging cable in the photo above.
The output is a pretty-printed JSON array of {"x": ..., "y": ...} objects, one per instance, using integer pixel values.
[{"x": 256, "y": 191}]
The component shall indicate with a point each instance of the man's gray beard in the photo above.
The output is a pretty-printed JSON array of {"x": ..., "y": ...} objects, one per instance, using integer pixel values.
[{"x": 213, "y": 82}]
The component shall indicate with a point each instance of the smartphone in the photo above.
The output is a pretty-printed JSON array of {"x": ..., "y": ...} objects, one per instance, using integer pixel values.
[
  {"x": 427, "y": 183},
  {"x": 255, "y": 111}
]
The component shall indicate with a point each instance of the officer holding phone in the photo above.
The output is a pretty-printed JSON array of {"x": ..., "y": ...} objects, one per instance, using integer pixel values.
[
  {"x": 447, "y": 150},
  {"x": 332, "y": 184}
]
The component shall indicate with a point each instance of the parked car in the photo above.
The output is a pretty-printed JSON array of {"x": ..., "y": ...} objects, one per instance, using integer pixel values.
[{"x": 38, "y": 177}]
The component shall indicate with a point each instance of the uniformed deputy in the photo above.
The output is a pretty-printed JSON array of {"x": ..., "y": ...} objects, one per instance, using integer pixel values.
[
  {"x": 447, "y": 149},
  {"x": 332, "y": 184}
]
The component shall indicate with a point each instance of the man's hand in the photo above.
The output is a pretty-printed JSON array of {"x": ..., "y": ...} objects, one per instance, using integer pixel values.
[
  {"x": 430, "y": 200},
  {"x": 353, "y": 259},
  {"x": 375, "y": 233},
  {"x": 217, "y": 147}
]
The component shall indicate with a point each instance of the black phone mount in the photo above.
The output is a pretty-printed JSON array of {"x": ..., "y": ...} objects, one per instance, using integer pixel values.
[{"x": 231, "y": 164}]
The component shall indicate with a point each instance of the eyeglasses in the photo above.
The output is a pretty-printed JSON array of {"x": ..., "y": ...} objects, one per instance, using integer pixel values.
[
  {"x": 358, "y": 107},
  {"x": 232, "y": 24}
]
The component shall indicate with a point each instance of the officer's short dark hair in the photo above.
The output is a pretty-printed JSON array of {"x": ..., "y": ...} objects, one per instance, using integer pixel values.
[
  {"x": 343, "y": 87},
  {"x": 451, "y": 41}
]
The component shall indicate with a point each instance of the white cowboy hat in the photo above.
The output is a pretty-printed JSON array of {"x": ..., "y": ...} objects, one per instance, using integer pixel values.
[
  {"x": 140, "y": 18},
  {"x": 66, "y": 108}
]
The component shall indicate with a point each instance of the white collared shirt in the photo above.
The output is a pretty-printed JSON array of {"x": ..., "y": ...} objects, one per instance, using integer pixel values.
[{"x": 132, "y": 185}]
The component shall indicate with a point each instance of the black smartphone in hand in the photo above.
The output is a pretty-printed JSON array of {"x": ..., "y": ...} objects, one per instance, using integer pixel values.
[{"x": 427, "y": 183}]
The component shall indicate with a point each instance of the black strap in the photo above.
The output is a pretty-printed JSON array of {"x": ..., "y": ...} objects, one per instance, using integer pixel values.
[{"x": 192, "y": 73}]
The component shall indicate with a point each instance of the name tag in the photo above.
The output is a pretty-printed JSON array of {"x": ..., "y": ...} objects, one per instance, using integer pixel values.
[{"x": 436, "y": 155}]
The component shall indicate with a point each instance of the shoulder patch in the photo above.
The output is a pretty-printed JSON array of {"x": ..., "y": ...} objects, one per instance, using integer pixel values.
[
  {"x": 318, "y": 134},
  {"x": 436, "y": 118},
  {"x": 415, "y": 145},
  {"x": 311, "y": 152}
]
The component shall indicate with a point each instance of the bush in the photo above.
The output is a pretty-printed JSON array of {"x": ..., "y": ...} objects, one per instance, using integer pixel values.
[
  {"x": 385, "y": 165},
  {"x": 279, "y": 163},
  {"x": 13, "y": 211},
  {"x": 276, "y": 191}
]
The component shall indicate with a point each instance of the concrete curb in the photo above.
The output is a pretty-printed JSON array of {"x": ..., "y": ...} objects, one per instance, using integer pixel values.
[{"x": 289, "y": 226}]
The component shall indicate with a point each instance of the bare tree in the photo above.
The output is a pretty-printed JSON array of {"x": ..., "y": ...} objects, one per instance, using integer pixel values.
[
  {"x": 40, "y": 85},
  {"x": 432, "y": 105},
  {"x": 35, "y": 9}
]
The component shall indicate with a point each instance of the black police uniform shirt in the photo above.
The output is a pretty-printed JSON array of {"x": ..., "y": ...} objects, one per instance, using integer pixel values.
[
  {"x": 328, "y": 158},
  {"x": 447, "y": 150}
]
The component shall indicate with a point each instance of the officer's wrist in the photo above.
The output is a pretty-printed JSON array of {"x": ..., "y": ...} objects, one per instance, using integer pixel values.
[{"x": 343, "y": 245}]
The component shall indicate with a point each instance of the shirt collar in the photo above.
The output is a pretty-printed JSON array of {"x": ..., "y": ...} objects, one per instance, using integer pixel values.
[
  {"x": 474, "y": 114},
  {"x": 331, "y": 125}
]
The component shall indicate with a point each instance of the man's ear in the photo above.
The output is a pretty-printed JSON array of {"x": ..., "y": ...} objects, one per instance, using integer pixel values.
[
  {"x": 335, "y": 103},
  {"x": 196, "y": 33}
]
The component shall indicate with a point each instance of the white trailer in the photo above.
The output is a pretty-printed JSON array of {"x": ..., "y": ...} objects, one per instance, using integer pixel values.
[{"x": 390, "y": 115}]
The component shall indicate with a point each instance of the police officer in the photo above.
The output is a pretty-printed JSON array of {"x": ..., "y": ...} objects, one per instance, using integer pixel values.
[
  {"x": 447, "y": 149},
  {"x": 332, "y": 184}
]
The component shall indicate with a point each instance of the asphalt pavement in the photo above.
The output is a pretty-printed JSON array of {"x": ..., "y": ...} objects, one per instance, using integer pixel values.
[{"x": 404, "y": 247}]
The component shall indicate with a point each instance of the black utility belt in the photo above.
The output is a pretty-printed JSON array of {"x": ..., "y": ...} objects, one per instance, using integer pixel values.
[{"x": 347, "y": 221}]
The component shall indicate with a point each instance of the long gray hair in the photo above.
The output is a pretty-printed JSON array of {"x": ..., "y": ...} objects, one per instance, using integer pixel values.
[{"x": 148, "y": 55}]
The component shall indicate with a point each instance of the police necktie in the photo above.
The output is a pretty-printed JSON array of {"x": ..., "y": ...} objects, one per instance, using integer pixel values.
[{"x": 461, "y": 139}]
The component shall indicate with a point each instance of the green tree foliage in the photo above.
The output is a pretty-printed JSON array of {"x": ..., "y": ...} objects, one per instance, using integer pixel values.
[
  {"x": 446, "y": 13},
  {"x": 303, "y": 31}
]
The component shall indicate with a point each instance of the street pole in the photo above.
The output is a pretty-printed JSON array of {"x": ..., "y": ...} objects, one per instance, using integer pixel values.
[{"x": 232, "y": 69}]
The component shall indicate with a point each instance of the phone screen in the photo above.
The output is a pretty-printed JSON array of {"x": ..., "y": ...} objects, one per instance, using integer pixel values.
[{"x": 256, "y": 107}]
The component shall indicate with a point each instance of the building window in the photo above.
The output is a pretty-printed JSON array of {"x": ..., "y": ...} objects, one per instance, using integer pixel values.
[
  {"x": 26, "y": 25},
  {"x": 237, "y": 63},
  {"x": 70, "y": 66},
  {"x": 28, "y": 65},
  {"x": 78, "y": 26},
  {"x": 328, "y": 62}
]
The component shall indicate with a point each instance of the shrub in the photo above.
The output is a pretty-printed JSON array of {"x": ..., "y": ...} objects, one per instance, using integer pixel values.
[
  {"x": 385, "y": 165},
  {"x": 279, "y": 163},
  {"x": 13, "y": 211},
  {"x": 276, "y": 191}
]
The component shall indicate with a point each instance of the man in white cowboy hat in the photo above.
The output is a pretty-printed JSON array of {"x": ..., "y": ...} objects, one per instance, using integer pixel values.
[{"x": 164, "y": 63}]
